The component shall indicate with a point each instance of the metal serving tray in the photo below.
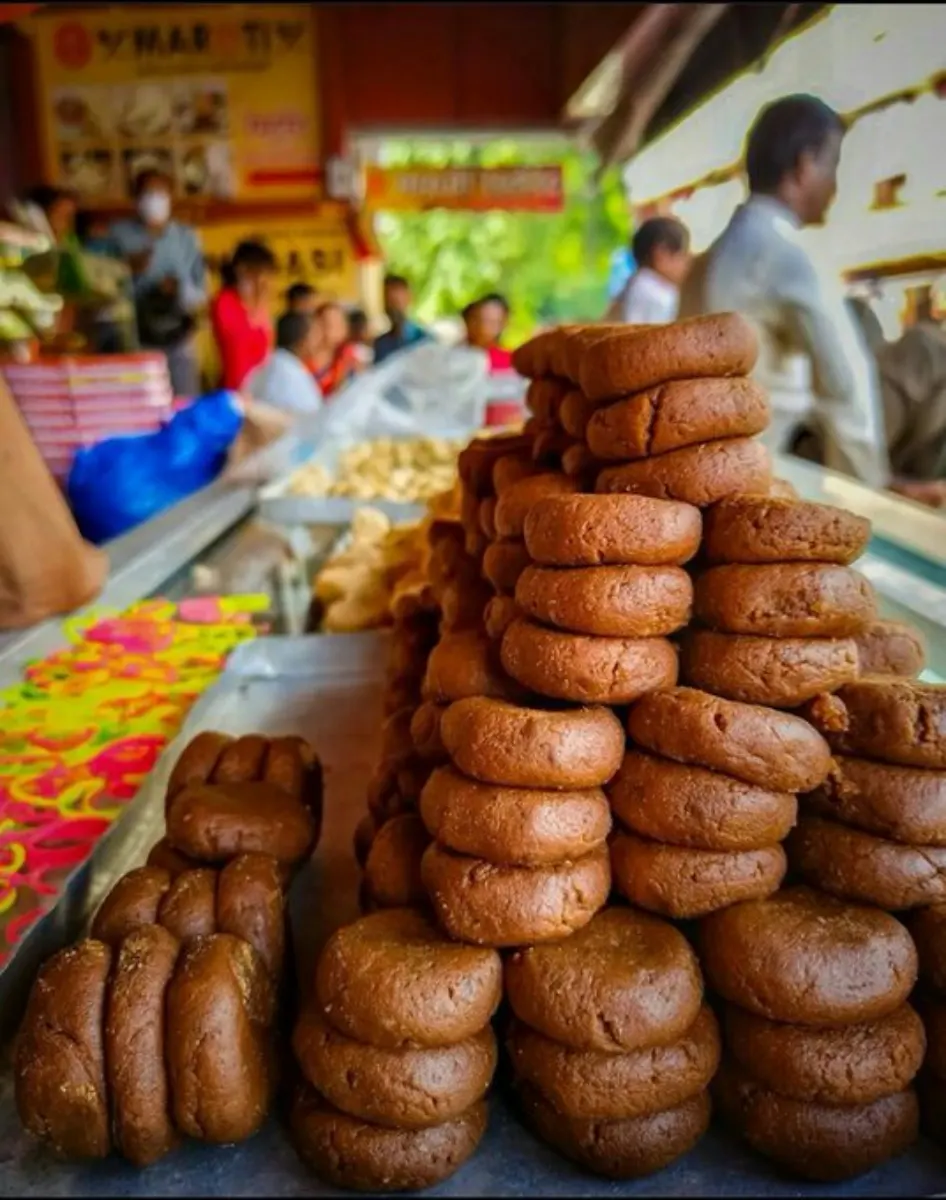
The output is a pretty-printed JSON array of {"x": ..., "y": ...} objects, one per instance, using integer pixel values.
[{"x": 329, "y": 690}]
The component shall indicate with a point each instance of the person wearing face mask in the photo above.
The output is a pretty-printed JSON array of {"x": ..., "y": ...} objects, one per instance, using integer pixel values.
[
  {"x": 169, "y": 278},
  {"x": 240, "y": 312}
]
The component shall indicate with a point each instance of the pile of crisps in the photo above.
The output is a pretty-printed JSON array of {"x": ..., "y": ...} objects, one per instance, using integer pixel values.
[
  {"x": 404, "y": 469},
  {"x": 357, "y": 584}
]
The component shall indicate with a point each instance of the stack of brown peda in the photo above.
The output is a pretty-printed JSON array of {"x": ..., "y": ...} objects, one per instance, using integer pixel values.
[
  {"x": 876, "y": 830},
  {"x": 928, "y": 927},
  {"x": 397, "y": 1052},
  {"x": 705, "y": 796},
  {"x": 821, "y": 1045},
  {"x": 612, "y": 1047}
]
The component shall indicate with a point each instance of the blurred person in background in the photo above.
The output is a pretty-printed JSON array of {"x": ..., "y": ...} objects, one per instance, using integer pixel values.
[
  {"x": 336, "y": 360},
  {"x": 169, "y": 278},
  {"x": 284, "y": 380},
  {"x": 812, "y": 357},
  {"x": 651, "y": 296},
  {"x": 403, "y": 331},
  {"x": 302, "y": 297},
  {"x": 359, "y": 336},
  {"x": 240, "y": 312},
  {"x": 485, "y": 321}
]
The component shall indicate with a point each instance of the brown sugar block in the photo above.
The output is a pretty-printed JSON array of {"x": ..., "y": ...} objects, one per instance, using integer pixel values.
[
  {"x": 488, "y": 517},
  {"x": 516, "y": 500},
  {"x": 406, "y": 1088},
  {"x": 586, "y": 670},
  {"x": 602, "y": 1086},
  {"x": 392, "y": 868},
  {"x": 436, "y": 991},
  {"x": 826, "y": 1142},
  {"x": 510, "y": 469},
  {"x": 58, "y": 1056},
  {"x": 499, "y": 742},
  {"x": 785, "y": 600},
  {"x": 465, "y": 664},
  {"x": 425, "y": 731},
  {"x": 619, "y": 1149},
  {"x": 859, "y": 866},
  {"x": 893, "y": 720},
  {"x": 522, "y": 826},
  {"x": 163, "y": 856},
  {"x": 928, "y": 928},
  {"x": 805, "y": 957},
  {"x": 498, "y": 615},
  {"x": 475, "y": 461},
  {"x": 891, "y": 648},
  {"x": 360, "y": 1157},
  {"x": 220, "y": 1005},
  {"x": 197, "y": 760},
  {"x": 720, "y": 345},
  {"x": 218, "y": 821},
  {"x": 626, "y": 981},
  {"x": 756, "y": 529},
  {"x": 575, "y": 343},
  {"x": 699, "y": 475},
  {"x": 681, "y": 413},
  {"x": 242, "y": 760},
  {"x": 678, "y": 882},
  {"x": 755, "y": 744},
  {"x": 614, "y": 601},
  {"x": 779, "y": 672},
  {"x": 134, "y": 1045},
  {"x": 364, "y": 835},
  {"x": 132, "y": 902},
  {"x": 251, "y": 904},
  {"x": 498, "y": 905},
  {"x": 504, "y": 562},
  {"x": 691, "y": 806},
  {"x": 589, "y": 531},
  {"x": 462, "y": 604},
  {"x": 189, "y": 908},
  {"x": 575, "y": 412},
  {"x": 545, "y": 396},
  {"x": 905, "y": 804},
  {"x": 850, "y": 1064}
]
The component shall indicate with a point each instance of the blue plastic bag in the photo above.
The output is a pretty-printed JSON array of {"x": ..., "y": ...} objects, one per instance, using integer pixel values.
[{"x": 120, "y": 482}]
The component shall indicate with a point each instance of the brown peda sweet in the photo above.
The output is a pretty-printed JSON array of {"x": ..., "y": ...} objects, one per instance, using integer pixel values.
[
  {"x": 499, "y": 742},
  {"x": 392, "y": 868},
  {"x": 604, "y": 1086},
  {"x": 785, "y": 600},
  {"x": 756, "y": 529},
  {"x": 627, "y": 981},
  {"x": 509, "y": 470},
  {"x": 197, "y": 761},
  {"x": 59, "y": 1057},
  {"x": 216, "y": 822},
  {"x": 611, "y": 601},
  {"x": 575, "y": 411},
  {"x": 825, "y": 1142},
  {"x": 134, "y": 1045},
  {"x": 904, "y": 804},
  {"x": 493, "y": 904},
  {"x": 292, "y": 764},
  {"x": 859, "y": 866},
  {"x": 700, "y": 475},
  {"x": 716, "y": 346},
  {"x": 163, "y": 856},
  {"x": 425, "y": 731},
  {"x": 516, "y": 500},
  {"x": 251, "y": 904},
  {"x": 241, "y": 760},
  {"x": 465, "y": 664},
  {"x": 406, "y": 1088},
  {"x": 891, "y": 648},
  {"x": 619, "y": 1149},
  {"x": 808, "y": 958},
  {"x": 517, "y": 826},
  {"x": 436, "y": 991},
  {"x": 681, "y": 883},
  {"x": 544, "y": 397},
  {"x": 691, "y": 806},
  {"x": 589, "y": 531},
  {"x": 133, "y": 901},
  {"x": 847, "y": 1064},
  {"x": 758, "y": 745},
  {"x": 498, "y": 615},
  {"x": 189, "y": 908},
  {"x": 583, "y": 669},
  {"x": 504, "y": 562},
  {"x": 346, "y": 1152},
  {"x": 475, "y": 461},
  {"x": 680, "y": 413},
  {"x": 928, "y": 929},
  {"x": 778, "y": 672},
  {"x": 893, "y": 720}
]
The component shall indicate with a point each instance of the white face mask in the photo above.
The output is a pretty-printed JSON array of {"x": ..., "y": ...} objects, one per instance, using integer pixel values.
[{"x": 154, "y": 207}]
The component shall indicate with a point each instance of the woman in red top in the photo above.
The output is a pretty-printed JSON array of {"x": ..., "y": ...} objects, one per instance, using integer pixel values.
[
  {"x": 239, "y": 313},
  {"x": 485, "y": 322},
  {"x": 339, "y": 358}
]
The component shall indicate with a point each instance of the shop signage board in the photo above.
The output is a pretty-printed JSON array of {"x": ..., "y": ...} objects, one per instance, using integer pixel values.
[
  {"x": 225, "y": 99},
  {"x": 513, "y": 189}
]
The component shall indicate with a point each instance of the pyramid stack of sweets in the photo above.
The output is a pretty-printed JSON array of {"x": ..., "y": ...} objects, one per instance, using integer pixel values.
[{"x": 821, "y": 1045}]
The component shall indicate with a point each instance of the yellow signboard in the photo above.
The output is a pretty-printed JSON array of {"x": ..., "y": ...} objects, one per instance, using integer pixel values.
[
  {"x": 513, "y": 189},
  {"x": 223, "y": 98}
]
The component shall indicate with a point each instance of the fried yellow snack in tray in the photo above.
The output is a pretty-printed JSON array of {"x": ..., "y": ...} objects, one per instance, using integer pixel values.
[{"x": 400, "y": 469}]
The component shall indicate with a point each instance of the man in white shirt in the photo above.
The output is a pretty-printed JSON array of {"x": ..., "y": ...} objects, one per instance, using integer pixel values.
[
  {"x": 283, "y": 380},
  {"x": 812, "y": 359},
  {"x": 661, "y": 249}
]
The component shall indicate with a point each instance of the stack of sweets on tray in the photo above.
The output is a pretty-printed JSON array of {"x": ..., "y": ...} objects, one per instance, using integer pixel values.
[{"x": 397, "y": 1053}]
